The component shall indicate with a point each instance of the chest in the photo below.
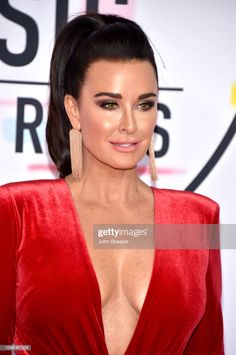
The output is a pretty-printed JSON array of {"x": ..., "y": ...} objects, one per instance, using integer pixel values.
[{"x": 122, "y": 273}]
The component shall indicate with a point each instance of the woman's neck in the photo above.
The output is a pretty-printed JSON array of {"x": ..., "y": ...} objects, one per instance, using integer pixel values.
[{"x": 108, "y": 186}]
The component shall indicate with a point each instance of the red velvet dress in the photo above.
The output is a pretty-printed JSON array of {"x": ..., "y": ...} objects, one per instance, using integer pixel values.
[{"x": 49, "y": 294}]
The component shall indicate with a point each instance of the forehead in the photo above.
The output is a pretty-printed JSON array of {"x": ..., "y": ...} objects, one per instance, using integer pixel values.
[{"x": 129, "y": 74}]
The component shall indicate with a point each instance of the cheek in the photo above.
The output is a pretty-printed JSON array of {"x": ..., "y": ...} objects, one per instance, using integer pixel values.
[
  {"x": 95, "y": 123},
  {"x": 147, "y": 124}
]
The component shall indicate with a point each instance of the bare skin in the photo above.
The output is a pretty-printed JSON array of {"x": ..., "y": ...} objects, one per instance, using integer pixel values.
[
  {"x": 123, "y": 274},
  {"x": 110, "y": 191}
]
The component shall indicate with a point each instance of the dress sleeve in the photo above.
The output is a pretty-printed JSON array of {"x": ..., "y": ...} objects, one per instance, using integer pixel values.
[
  {"x": 8, "y": 237},
  {"x": 208, "y": 336}
]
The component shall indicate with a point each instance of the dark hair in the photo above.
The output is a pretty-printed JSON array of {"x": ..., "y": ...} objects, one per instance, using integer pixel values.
[{"x": 82, "y": 41}]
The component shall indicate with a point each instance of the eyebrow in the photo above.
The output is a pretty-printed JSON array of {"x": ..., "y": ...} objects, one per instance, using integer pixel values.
[{"x": 119, "y": 96}]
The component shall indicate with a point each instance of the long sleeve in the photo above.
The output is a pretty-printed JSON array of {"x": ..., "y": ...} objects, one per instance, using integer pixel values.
[
  {"x": 8, "y": 237},
  {"x": 208, "y": 336}
]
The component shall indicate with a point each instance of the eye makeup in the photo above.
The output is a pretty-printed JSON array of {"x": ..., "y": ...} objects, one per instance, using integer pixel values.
[{"x": 112, "y": 105}]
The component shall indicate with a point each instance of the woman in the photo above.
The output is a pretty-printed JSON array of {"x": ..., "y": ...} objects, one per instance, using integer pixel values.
[{"x": 60, "y": 295}]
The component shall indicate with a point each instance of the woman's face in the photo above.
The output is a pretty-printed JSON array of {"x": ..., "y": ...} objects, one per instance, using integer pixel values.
[{"x": 116, "y": 111}]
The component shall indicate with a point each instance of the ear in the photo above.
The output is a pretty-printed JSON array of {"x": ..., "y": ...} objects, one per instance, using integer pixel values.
[{"x": 72, "y": 110}]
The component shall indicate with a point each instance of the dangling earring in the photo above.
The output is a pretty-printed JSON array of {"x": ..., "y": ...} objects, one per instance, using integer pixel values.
[
  {"x": 152, "y": 162},
  {"x": 75, "y": 138}
]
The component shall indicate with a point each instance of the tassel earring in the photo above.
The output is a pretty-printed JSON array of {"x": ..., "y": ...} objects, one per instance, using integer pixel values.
[
  {"x": 75, "y": 138},
  {"x": 152, "y": 162}
]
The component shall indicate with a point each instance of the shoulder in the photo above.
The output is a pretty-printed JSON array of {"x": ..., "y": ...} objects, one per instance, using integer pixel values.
[
  {"x": 184, "y": 197},
  {"x": 188, "y": 206},
  {"x": 27, "y": 190},
  {"x": 30, "y": 185},
  {"x": 27, "y": 203}
]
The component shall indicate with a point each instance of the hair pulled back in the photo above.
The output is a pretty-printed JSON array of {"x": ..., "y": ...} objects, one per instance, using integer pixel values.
[{"x": 81, "y": 42}]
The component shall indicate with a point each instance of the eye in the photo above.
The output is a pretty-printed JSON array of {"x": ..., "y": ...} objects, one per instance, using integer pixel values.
[
  {"x": 108, "y": 105},
  {"x": 147, "y": 105}
]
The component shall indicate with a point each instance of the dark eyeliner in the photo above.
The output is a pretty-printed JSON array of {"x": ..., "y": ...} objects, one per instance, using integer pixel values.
[
  {"x": 103, "y": 104},
  {"x": 150, "y": 104}
]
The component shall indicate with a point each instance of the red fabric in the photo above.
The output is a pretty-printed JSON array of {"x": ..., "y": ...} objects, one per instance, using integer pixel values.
[{"x": 49, "y": 296}]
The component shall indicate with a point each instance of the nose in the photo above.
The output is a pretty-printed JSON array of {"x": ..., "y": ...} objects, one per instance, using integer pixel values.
[{"x": 127, "y": 122}]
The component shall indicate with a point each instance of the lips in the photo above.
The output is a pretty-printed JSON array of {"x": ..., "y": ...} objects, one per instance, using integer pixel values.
[{"x": 124, "y": 146}]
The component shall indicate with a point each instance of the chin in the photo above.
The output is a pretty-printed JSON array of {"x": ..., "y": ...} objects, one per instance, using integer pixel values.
[{"x": 123, "y": 166}]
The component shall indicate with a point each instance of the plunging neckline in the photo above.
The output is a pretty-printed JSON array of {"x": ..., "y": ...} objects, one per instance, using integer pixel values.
[{"x": 93, "y": 272}]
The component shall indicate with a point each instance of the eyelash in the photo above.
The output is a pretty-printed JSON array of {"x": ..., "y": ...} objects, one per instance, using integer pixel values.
[{"x": 149, "y": 104}]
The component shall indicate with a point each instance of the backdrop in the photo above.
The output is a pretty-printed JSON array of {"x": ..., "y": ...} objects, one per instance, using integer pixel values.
[{"x": 194, "y": 44}]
